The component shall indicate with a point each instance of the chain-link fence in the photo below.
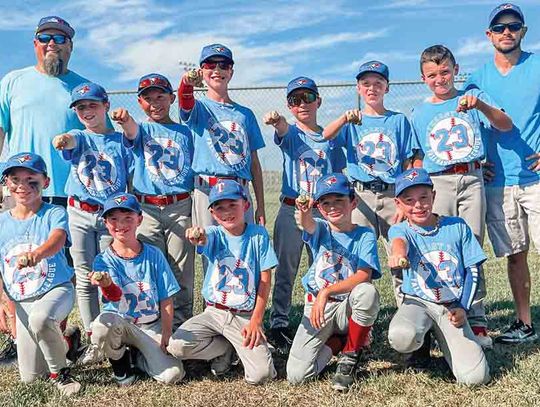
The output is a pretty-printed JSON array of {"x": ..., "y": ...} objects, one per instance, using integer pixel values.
[{"x": 337, "y": 98}]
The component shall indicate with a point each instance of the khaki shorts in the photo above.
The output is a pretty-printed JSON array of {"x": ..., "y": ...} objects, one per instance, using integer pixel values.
[{"x": 513, "y": 214}]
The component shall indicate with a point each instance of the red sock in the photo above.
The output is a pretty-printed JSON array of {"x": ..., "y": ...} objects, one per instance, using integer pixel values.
[
  {"x": 63, "y": 325},
  {"x": 356, "y": 337},
  {"x": 53, "y": 375},
  {"x": 479, "y": 330},
  {"x": 336, "y": 343}
]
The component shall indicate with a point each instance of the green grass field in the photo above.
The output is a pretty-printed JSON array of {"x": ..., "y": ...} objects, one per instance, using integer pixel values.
[{"x": 381, "y": 381}]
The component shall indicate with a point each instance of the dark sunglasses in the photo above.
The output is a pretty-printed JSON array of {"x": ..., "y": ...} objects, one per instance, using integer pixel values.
[
  {"x": 299, "y": 98},
  {"x": 155, "y": 81},
  {"x": 512, "y": 27},
  {"x": 46, "y": 38},
  {"x": 222, "y": 65}
]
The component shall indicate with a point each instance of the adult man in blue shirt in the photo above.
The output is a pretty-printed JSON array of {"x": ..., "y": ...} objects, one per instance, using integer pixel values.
[{"x": 513, "y": 211}]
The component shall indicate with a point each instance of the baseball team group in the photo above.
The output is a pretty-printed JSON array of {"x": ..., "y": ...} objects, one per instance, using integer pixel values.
[{"x": 113, "y": 220}]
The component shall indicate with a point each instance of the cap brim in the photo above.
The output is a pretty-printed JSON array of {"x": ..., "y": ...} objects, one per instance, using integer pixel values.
[
  {"x": 302, "y": 87},
  {"x": 514, "y": 12},
  {"x": 216, "y": 55},
  {"x": 360, "y": 74},
  {"x": 154, "y": 86},
  {"x": 230, "y": 197},
  {"x": 70, "y": 32},
  {"x": 400, "y": 191},
  {"x": 8, "y": 167},
  {"x": 95, "y": 98}
]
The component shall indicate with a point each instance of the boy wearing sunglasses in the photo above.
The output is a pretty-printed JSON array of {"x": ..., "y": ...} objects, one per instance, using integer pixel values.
[
  {"x": 163, "y": 181},
  {"x": 226, "y": 134},
  {"x": 449, "y": 131},
  {"x": 307, "y": 156}
]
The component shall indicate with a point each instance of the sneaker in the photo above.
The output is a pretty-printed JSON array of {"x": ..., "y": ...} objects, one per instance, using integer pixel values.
[
  {"x": 92, "y": 354},
  {"x": 126, "y": 380},
  {"x": 280, "y": 340},
  {"x": 73, "y": 338},
  {"x": 222, "y": 364},
  {"x": 517, "y": 333},
  {"x": 8, "y": 354},
  {"x": 65, "y": 383},
  {"x": 420, "y": 358},
  {"x": 345, "y": 370},
  {"x": 482, "y": 338},
  {"x": 123, "y": 370}
]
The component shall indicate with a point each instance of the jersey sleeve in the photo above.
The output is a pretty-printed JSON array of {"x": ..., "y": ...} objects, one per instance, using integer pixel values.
[
  {"x": 69, "y": 155},
  {"x": 284, "y": 143},
  {"x": 407, "y": 150},
  {"x": 397, "y": 231},
  {"x": 268, "y": 258},
  {"x": 314, "y": 239},
  {"x": 208, "y": 249},
  {"x": 256, "y": 140},
  {"x": 416, "y": 135},
  {"x": 166, "y": 283},
  {"x": 59, "y": 220},
  {"x": 136, "y": 144},
  {"x": 470, "y": 285},
  {"x": 101, "y": 264},
  {"x": 190, "y": 117},
  {"x": 367, "y": 253},
  {"x": 5, "y": 103},
  {"x": 484, "y": 97},
  {"x": 472, "y": 252}
]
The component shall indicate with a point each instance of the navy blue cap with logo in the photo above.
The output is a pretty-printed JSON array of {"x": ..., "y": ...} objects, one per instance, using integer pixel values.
[
  {"x": 122, "y": 201},
  {"x": 55, "y": 23},
  {"x": 88, "y": 91},
  {"x": 410, "y": 178},
  {"x": 302, "y": 82},
  {"x": 374, "y": 67},
  {"x": 333, "y": 184},
  {"x": 505, "y": 8},
  {"x": 226, "y": 189},
  {"x": 215, "y": 50}
]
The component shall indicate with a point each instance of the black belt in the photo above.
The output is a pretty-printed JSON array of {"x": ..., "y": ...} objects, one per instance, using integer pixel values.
[{"x": 373, "y": 186}]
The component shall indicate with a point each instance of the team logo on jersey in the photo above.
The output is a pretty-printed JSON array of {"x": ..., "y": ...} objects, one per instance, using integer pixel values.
[
  {"x": 98, "y": 174},
  {"x": 453, "y": 138},
  {"x": 24, "y": 158},
  {"x": 229, "y": 141},
  {"x": 376, "y": 152},
  {"x": 165, "y": 160},
  {"x": 233, "y": 284},
  {"x": 83, "y": 90},
  {"x": 437, "y": 277},
  {"x": 330, "y": 268},
  {"x": 28, "y": 281},
  {"x": 138, "y": 301},
  {"x": 312, "y": 165}
]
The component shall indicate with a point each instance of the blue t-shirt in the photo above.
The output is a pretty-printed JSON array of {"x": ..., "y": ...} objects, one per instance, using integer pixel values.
[
  {"x": 447, "y": 137},
  {"x": 235, "y": 264},
  {"x": 377, "y": 148},
  {"x": 34, "y": 108},
  {"x": 100, "y": 166},
  {"x": 162, "y": 156},
  {"x": 145, "y": 280},
  {"x": 307, "y": 156},
  {"x": 518, "y": 93},
  {"x": 439, "y": 263},
  {"x": 338, "y": 255},
  {"x": 21, "y": 236},
  {"x": 225, "y": 135}
]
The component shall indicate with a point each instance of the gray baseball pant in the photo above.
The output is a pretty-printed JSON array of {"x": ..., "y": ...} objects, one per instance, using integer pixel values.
[
  {"x": 309, "y": 355},
  {"x": 111, "y": 332},
  {"x": 415, "y": 317},
  {"x": 41, "y": 348},
  {"x": 209, "y": 335},
  {"x": 165, "y": 227},
  {"x": 463, "y": 195},
  {"x": 89, "y": 236}
]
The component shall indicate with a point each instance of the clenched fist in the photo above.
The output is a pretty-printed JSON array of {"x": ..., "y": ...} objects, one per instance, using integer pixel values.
[
  {"x": 272, "y": 118},
  {"x": 64, "y": 142}
]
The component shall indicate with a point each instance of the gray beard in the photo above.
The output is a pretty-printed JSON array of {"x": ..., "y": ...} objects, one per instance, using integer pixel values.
[{"x": 53, "y": 65}]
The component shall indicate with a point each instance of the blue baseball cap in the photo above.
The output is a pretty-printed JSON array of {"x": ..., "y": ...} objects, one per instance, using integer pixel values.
[
  {"x": 412, "y": 177},
  {"x": 302, "y": 82},
  {"x": 31, "y": 161},
  {"x": 122, "y": 201},
  {"x": 226, "y": 189},
  {"x": 505, "y": 8},
  {"x": 88, "y": 91},
  {"x": 333, "y": 184},
  {"x": 154, "y": 80},
  {"x": 375, "y": 67},
  {"x": 215, "y": 50},
  {"x": 55, "y": 23}
]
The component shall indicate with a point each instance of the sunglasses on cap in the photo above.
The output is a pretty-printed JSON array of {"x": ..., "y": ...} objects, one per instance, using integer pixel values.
[
  {"x": 512, "y": 27},
  {"x": 224, "y": 65},
  {"x": 154, "y": 81},
  {"x": 299, "y": 98},
  {"x": 46, "y": 38}
]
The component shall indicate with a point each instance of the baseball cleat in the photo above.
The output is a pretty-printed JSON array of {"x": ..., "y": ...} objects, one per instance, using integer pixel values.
[
  {"x": 517, "y": 333},
  {"x": 345, "y": 371},
  {"x": 65, "y": 383}
]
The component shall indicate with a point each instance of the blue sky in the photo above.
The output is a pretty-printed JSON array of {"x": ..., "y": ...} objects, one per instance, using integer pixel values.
[{"x": 118, "y": 41}]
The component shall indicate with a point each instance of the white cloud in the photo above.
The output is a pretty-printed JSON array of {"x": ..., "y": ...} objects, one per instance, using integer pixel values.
[{"x": 474, "y": 46}]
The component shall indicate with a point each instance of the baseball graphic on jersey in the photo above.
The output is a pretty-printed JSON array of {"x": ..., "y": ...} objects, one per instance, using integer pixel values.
[
  {"x": 230, "y": 142},
  {"x": 330, "y": 268},
  {"x": 164, "y": 159},
  {"x": 25, "y": 281},
  {"x": 312, "y": 164},
  {"x": 452, "y": 138},
  {"x": 233, "y": 284},
  {"x": 97, "y": 172},
  {"x": 437, "y": 278},
  {"x": 138, "y": 301},
  {"x": 376, "y": 153}
]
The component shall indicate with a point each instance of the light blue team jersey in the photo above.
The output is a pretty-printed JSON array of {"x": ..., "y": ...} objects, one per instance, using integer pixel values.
[
  {"x": 145, "y": 280},
  {"x": 447, "y": 137},
  {"x": 162, "y": 156},
  {"x": 21, "y": 236},
  {"x": 518, "y": 93},
  {"x": 439, "y": 264},
  {"x": 34, "y": 108},
  {"x": 307, "y": 156},
  {"x": 377, "y": 148},
  {"x": 100, "y": 166},
  {"x": 225, "y": 135},
  {"x": 235, "y": 264},
  {"x": 338, "y": 255}
]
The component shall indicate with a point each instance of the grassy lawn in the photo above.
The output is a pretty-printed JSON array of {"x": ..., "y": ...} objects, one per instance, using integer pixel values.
[{"x": 381, "y": 378}]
